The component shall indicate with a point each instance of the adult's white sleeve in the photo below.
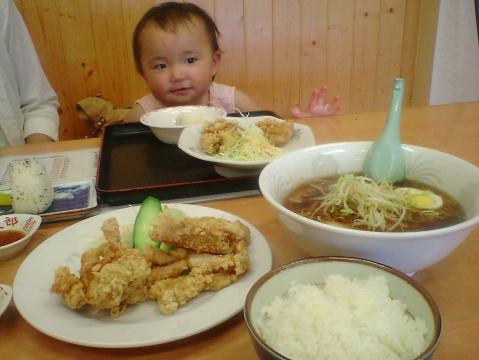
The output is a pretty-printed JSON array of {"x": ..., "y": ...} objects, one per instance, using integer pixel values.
[{"x": 39, "y": 102}]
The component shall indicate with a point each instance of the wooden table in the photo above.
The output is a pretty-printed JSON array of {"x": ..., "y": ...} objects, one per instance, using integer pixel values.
[{"x": 453, "y": 283}]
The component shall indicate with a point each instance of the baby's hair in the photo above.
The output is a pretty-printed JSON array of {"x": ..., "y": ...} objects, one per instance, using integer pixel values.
[{"x": 168, "y": 16}]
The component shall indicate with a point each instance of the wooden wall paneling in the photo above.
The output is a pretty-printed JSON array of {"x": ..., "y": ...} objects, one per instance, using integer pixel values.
[
  {"x": 230, "y": 21},
  {"x": 409, "y": 47},
  {"x": 41, "y": 19},
  {"x": 339, "y": 49},
  {"x": 259, "y": 51},
  {"x": 111, "y": 51},
  {"x": 277, "y": 51},
  {"x": 365, "y": 48},
  {"x": 390, "y": 46},
  {"x": 426, "y": 46},
  {"x": 314, "y": 28},
  {"x": 133, "y": 10},
  {"x": 80, "y": 56},
  {"x": 286, "y": 55}
]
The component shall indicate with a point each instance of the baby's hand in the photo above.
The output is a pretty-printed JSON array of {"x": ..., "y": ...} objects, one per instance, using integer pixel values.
[
  {"x": 100, "y": 125},
  {"x": 319, "y": 105}
]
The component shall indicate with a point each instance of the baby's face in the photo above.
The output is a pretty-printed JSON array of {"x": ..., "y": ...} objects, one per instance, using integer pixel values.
[{"x": 178, "y": 67}]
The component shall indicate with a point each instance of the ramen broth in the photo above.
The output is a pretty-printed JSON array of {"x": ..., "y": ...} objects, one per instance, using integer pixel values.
[{"x": 303, "y": 201}]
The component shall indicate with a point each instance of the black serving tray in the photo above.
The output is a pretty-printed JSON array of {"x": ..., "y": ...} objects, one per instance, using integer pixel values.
[{"x": 133, "y": 164}]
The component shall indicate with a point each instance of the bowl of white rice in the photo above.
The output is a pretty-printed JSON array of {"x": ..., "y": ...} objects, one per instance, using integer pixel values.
[
  {"x": 341, "y": 308},
  {"x": 167, "y": 124}
]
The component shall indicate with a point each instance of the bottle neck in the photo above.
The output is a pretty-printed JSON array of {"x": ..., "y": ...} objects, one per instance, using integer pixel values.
[{"x": 392, "y": 126}]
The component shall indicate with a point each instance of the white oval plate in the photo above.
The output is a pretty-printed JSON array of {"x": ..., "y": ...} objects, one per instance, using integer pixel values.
[
  {"x": 189, "y": 142},
  {"x": 139, "y": 325}
]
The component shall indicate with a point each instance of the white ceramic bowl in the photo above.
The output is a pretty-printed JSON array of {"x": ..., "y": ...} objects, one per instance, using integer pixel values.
[
  {"x": 312, "y": 271},
  {"x": 6, "y": 294},
  {"x": 406, "y": 251},
  {"x": 168, "y": 123},
  {"x": 26, "y": 223}
]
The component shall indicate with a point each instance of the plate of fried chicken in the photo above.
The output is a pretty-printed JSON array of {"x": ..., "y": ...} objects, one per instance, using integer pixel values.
[
  {"x": 244, "y": 143},
  {"x": 88, "y": 285}
]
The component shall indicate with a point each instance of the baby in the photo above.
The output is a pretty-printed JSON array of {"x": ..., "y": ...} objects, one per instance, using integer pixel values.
[{"x": 176, "y": 51}]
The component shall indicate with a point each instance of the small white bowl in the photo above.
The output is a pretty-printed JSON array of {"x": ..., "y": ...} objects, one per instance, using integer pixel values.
[
  {"x": 406, "y": 251},
  {"x": 314, "y": 270},
  {"x": 26, "y": 223},
  {"x": 168, "y": 123},
  {"x": 6, "y": 294}
]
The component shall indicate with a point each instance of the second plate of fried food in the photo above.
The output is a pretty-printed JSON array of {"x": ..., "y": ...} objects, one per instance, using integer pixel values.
[{"x": 244, "y": 143}]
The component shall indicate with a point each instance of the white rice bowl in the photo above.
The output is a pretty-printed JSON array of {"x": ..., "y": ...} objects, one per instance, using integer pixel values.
[
  {"x": 342, "y": 319},
  {"x": 344, "y": 308},
  {"x": 31, "y": 187}
]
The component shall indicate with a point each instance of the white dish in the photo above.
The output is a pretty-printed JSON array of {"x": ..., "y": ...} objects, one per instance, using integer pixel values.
[
  {"x": 189, "y": 142},
  {"x": 168, "y": 123},
  {"x": 408, "y": 251},
  {"x": 139, "y": 325},
  {"x": 417, "y": 300},
  {"x": 5, "y": 297},
  {"x": 26, "y": 223}
]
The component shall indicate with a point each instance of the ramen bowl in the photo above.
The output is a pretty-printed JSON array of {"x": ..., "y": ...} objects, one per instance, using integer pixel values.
[
  {"x": 407, "y": 251},
  {"x": 16, "y": 231},
  {"x": 305, "y": 331},
  {"x": 168, "y": 123}
]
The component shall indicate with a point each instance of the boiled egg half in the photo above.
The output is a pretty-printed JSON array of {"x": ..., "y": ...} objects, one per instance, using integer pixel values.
[{"x": 421, "y": 199}]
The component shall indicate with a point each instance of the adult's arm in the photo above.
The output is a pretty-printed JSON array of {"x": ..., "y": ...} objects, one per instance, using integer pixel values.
[{"x": 38, "y": 101}]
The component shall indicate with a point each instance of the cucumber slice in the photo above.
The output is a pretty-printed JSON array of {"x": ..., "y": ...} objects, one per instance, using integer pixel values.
[
  {"x": 150, "y": 209},
  {"x": 5, "y": 199}
]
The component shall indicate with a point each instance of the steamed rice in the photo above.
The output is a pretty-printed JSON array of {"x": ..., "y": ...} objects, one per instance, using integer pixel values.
[
  {"x": 344, "y": 319},
  {"x": 32, "y": 189}
]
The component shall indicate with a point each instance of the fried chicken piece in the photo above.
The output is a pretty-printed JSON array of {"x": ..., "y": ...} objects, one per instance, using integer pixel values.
[
  {"x": 207, "y": 263},
  {"x": 219, "y": 135},
  {"x": 241, "y": 257},
  {"x": 168, "y": 271},
  {"x": 220, "y": 280},
  {"x": 201, "y": 234},
  {"x": 120, "y": 282},
  {"x": 172, "y": 293},
  {"x": 278, "y": 133},
  {"x": 111, "y": 230},
  {"x": 69, "y": 287},
  {"x": 102, "y": 254},
  {"x": 160, "y": 257},
  {"x": 111, "y": 277}
]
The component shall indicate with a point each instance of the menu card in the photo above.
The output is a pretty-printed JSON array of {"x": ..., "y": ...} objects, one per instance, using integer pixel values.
[
  {"x": 63, "y": 168},
  {"x": 73, "y": 176}
]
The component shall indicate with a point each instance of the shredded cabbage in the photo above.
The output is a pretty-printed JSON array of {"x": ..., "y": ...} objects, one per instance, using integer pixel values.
[
  {"x": 252, "y": 145},
  {"x": 378, "y": 206}
]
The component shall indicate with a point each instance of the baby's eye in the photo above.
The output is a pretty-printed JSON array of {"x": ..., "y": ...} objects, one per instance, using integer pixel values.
[
  {"x": 160, "y": 66},
  {"x": 191, "y": 60}
]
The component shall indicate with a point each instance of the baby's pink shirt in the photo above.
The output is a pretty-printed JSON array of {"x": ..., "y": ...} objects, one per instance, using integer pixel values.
[{"x": 222, "y": 96}]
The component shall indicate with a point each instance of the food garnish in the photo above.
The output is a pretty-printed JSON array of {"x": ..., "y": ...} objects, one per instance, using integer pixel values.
[
  {"x": 375, "y": 205},
  {"x": 232, "y": 141}
]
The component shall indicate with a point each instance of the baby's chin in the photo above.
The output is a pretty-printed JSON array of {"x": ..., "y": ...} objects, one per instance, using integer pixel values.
[{"x": 183, "y": 101}]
